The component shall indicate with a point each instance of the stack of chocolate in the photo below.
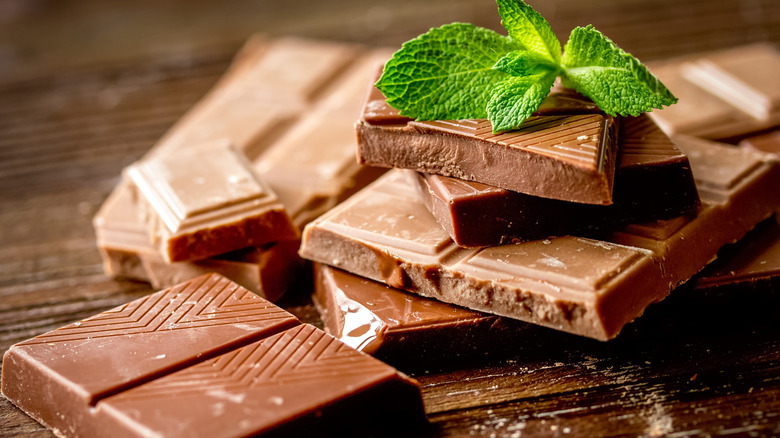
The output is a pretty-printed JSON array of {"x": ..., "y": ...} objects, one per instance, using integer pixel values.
[
  {"x": 577, "y": 221},
  {"x": 231, "y": 185}
]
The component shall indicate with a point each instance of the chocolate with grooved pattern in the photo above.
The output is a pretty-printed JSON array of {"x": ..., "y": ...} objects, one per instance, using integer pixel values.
[
  {"x": 590, "y": 287},
  {"x": 569, "y": 157},
  {"x": 206, "y": 200},
  {"x": 126, "y": 252},
  {"x": 206, "y": 358},
  {"x": 653, "y": 180}
]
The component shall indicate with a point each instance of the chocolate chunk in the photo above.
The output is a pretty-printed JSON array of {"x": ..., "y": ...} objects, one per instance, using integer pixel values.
[
  {"x": 312, "y": 166},
  {"x": 653, "y": 181},
  {"x": 746, "y": 78},
  {"x": 565, "y": 157},
  {"x": 702, "y": 111},
  {"x": 405, "y": 329},
  {"x": 126, "y": 252},
  {"x": 205, "y": 358},
  {"x": 751, "y": 263},
  {"x": 206, "y": 200},
  {"x": 583, "y": 286}
]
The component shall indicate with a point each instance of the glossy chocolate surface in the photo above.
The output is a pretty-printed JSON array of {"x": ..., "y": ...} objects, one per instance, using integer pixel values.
[
  {"x": 591, "y": 287},
  {"x": 405, "y": 329},
  {"x": 567, "y": 157},
  {"x": 653, "y": 181},
  {"x": 205, "y": 358}
]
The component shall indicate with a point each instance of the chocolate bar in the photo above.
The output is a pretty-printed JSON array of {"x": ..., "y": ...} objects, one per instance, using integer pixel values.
[
  {"x": 653, "y": 181},
  {"x": 204, "y": 358},
  {"x": 753, "y": 263},
  {"x": 389, "y": 323},
  {"x": 584, "y": 286},
  {"x": 564, "y": 157},
  {"x": 267, "y": 87},
  {"x": 703, "y": 112},
  {"x": 312, "y": 167},
  {"x": 126, "y": 252},
  {"x": 746, "y": 78},
  {"x": 205, "y": 200}
]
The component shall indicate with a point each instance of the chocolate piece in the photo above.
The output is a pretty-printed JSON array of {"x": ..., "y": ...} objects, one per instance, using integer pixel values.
[
  {"x": 565, "y": 157},
  {"x": 406, "y": 329},
  {"x": 701, "y": 113},
  {"x": 205, "y": 200},
  {"x": 124, "y": 246},
  {"x": 769, "y": 142},
  {"x": 582, "y": 286},
  {"x": 751, "y": 263},
  {"x": 206, "y": 358},
  {"x": 653, "y": 181},
  {"x": 312, "y": 166},
  {"x": 268, "y": 86},
  {"x": 746, "y": 78}
]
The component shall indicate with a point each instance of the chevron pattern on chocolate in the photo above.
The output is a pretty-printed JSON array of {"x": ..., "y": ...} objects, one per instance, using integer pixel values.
[
  {"x": 209, "y": 300},
  {"x": 582, "y": 142},
  {"x": 299, "y": 355}
]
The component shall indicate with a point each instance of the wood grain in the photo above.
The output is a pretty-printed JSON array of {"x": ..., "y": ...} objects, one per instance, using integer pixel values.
[{"x": 87, "y": 87}]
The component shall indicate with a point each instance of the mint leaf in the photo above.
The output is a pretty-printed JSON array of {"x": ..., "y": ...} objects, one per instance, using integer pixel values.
[
  {"x": 515, "y": 99},
  {"x": 523, "y": 63},
  {"x": 529, "y": 28},
  {"x": 616, "y": 81},
  {"x": 446, "y": 73}
]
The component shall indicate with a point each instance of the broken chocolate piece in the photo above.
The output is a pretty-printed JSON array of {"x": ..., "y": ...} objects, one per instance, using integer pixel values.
[
  {"x": 584, "y": 286},
  {"x": 653, "y": 181},
  {"x": 406, "y": 329},
  {"x": 205, "y": 358},
  {"x": 205, "y": 200},
  {"x": 124, "y": 246},
  {"x": 564, "y": 157}
]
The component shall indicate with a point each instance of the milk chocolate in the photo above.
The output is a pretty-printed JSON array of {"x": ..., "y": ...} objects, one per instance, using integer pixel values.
[
  {"x": 746, "y": 78},
  {"x": 206, "y": 200},
  {"x": 769, "y": 142},
  {"x": 126, "y": 252},
  {"x": 653, "y": 181},
  {"x": 405, "y": 329},
  {"x": 205, "y": 358},
  {"x": 702, "y": 110},
  {"x": 564, "y": 157},
  {"x": 753, "y": 263},
  {"x": 584, "y": 286},
  {"x": 312, "y": 167}
]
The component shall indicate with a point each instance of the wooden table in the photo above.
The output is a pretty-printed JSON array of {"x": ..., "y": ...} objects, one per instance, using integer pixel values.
[{"x": 87, "y": 87}]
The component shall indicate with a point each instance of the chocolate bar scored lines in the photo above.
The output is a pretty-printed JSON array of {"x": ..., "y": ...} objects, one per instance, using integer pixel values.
[
  {"x": 575, "y": 164},
  {"x": 583, "y": 286},
  {"x": 204, "y": 358}
]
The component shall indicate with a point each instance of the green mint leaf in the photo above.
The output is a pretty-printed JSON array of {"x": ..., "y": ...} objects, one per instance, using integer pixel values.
[
  {"x": 446, "y": 73},
  {"x": 515, "y": 99},
  {"x": 616, "y": 81},
  {"x": 529, "y": 28},
  {"x": 523, "y": 63}
]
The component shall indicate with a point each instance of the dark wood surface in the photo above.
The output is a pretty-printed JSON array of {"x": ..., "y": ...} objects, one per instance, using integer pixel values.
[{"x": 87, "y": 87}]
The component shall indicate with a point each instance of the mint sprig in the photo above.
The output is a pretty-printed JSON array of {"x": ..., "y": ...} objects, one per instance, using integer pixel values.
[{"x": 460, "y": 71}]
